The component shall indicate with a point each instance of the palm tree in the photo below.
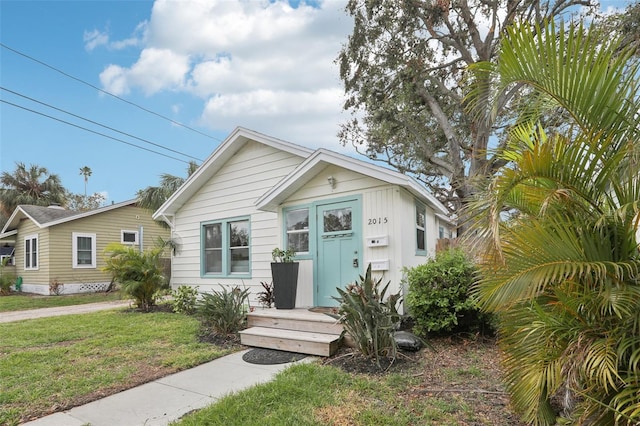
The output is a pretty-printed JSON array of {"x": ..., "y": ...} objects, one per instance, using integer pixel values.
[
  {"x": 555, "y": 230},
  {"x": 86, "y": 172},
  {"x": 152, "y": 197},
  {"x": 33, "y": 185}
]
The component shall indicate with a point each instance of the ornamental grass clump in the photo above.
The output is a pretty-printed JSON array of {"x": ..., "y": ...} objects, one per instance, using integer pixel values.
[
  {"x": 369, "y": 318},
  {"x": 224, "y": 311}
]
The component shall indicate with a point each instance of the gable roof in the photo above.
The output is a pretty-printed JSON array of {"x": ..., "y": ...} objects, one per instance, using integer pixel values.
[
  {"x": 322, "y": 158},
  {"x": 44, "y": 217},
  {"x": 314, "y": 161},
  {"x": 227, "y": 149}
]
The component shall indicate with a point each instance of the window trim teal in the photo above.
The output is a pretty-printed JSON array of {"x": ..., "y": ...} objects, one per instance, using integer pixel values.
[
  {"x": 312, "y": 223},
  {"x": 423, "y": 207},
  {"x": 226, "y": 261}
]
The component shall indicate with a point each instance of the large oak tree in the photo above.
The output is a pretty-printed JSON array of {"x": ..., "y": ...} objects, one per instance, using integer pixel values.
[{"x": 404, "y": 70}]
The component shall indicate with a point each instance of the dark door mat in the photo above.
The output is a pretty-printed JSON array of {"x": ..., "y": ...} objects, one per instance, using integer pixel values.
[{"x": 271, "y": 356}]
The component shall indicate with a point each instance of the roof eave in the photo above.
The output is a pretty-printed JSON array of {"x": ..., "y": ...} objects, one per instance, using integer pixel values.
[{"x": 227, "y": 148}]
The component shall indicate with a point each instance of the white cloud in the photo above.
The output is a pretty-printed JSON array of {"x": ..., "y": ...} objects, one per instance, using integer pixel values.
[
  {"x": 260, "y": 64},
  {"x": 155, "y": 70},
  {"x": 95, "y": 38}
]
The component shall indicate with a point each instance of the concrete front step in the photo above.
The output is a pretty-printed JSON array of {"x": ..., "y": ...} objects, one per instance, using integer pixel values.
[
  {"x": 294, "y": 319},
  {"x": 304, "y": 342}
]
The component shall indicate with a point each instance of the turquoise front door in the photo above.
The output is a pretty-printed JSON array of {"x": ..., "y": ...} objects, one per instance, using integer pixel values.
[{"x": 339, "y": 253}]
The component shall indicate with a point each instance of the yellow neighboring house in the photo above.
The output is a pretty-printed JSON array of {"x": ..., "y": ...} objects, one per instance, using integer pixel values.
[{"x": 62, "y": 251}]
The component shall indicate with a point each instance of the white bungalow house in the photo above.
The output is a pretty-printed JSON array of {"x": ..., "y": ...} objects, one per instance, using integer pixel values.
[{"x": 255, "y": 193}]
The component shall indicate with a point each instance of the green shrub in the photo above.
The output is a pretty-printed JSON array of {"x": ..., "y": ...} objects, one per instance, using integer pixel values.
[
  {"x": 369, "y": 318},
  {"x": 140, "y": 274},
  {"x": 438, "y": 298},
  {"x": 6, "y": 278},
  {"x": 184, "y": 299},
  {"x": 224, "y": 311}
]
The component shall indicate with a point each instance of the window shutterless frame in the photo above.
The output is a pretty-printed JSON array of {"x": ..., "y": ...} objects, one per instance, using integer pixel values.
[
  {"x": 296, "y": 227},
  {"x": 31, "y": 261},
  {"x": 83, "y": 247},
  {"x": 225, "y": 248},
  {"x": 421, "y": 229}
]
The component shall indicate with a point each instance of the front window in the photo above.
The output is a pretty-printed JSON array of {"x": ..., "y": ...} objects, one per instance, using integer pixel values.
[
  {"x": 84, "y": 250},
  {"x": 226, "y": 247},
  {"x": 420, "y": 229},
  {"x": 213, "y": 248},
  {"x": 297, "y": 224},
  {"x": 31, "y": 252},
  {"x": 239, "y": 246}
]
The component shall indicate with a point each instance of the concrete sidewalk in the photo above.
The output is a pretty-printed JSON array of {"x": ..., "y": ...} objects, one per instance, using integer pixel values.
[
  {"x": 62, "y": 310},
  {"x": 169, "y": 398}
]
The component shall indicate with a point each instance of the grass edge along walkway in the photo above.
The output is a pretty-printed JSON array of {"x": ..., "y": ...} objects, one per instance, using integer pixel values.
[{"x": 51, "y": 364}]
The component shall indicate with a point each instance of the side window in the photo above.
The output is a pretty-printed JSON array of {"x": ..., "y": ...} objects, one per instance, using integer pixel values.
[
  {"x": 226, "y": 247},
  {"x": 297, "y": 228},
  {"x": 31, "y": 252},
  {"x": 84, "y": 250},
  {"x": 421, "y": 234},
  {"x": 128, "y": 237}
]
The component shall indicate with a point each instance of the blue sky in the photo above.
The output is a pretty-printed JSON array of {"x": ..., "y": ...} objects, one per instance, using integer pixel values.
[{"x": 211, "y": 65}]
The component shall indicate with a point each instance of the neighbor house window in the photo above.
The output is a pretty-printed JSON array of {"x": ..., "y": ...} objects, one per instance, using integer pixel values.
[
  {"x": 31, "y": 252},
  {"x": 225, "y": 247},
  {"x": 84, "y": 250},
  {"x": 297, "y": 225},
  {"x": 129, "y": 237},
  {"x": 421, "y": 234}
]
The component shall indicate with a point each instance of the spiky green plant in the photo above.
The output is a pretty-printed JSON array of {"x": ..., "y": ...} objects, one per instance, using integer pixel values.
[
  {"x": 225, "y": 311},
  {"x": 370, "y": 317},
  {"x": 139, "y": 273},
  {"x": 556, "y": 230}
]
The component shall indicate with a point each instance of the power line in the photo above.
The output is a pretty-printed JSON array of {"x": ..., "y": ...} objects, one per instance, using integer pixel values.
[
  {"x": 92, "y": 131},
  {"x": 177, "y": 123},
  {"x": 98, "y": 124}
]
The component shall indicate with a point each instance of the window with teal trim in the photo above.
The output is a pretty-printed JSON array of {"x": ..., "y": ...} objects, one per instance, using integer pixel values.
[
  {"x": 225, "y": 247},
  {"x": 421, "y": 234},
  {"x": 297, "y": 225}
]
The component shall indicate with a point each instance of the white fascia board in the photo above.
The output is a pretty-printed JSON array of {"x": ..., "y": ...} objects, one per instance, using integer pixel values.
[
  {"x": 321, "y": 158},
  {"x": 8, "y": 234},
  {"x": 227, "y": 148}
]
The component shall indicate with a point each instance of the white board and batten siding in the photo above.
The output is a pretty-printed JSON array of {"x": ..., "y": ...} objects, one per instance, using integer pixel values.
[{"x": 230, "y": 193}]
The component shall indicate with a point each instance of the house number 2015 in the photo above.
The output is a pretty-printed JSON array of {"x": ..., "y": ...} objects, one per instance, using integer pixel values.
[{"x": 377, "y": 220}]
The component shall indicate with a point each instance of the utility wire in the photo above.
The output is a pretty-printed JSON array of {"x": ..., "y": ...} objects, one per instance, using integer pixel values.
[
  {"x": 92, "y": 131},
  {"x": 177, "y": 123},
  {"x": 98, "y": 124}
]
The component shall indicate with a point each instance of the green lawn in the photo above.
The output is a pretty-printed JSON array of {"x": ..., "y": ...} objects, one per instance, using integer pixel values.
[
  {"x": 313, "y": 394},
  {"x": 21, "y": 301},
  {"x": 63, "y": 361}
]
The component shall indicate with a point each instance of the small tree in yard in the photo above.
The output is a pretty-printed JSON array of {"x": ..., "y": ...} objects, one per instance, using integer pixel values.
[
  {"x": 439, "y": 298},
  {"x": 139, "y": 273}
]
